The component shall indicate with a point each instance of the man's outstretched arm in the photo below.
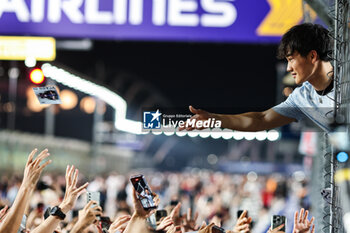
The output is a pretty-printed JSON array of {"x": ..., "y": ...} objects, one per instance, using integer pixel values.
[{"x": 250, "y": 121}]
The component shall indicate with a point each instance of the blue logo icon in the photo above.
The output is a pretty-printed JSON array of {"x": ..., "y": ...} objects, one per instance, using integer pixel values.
[{"x": 151, "y": 120}]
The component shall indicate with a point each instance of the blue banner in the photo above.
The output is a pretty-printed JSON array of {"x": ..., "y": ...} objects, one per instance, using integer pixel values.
[{"x": 157, "y": 20}]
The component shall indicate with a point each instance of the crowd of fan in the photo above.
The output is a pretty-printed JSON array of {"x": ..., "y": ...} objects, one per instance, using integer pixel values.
[{"x": 194, "y": 202}]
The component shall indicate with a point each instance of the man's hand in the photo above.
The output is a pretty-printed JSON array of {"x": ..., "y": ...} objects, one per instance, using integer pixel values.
[
  {"x": 165, "y": 224},
  {"x": 119, "y": 224},
  {"x": 3, "y": 212},
  {"x": 242, "y": 224},
  {"x": 199, "y": 115},
  {"x": 32, "y": 171},
  {"x": 139, "y": 210},
  {"x": 174, "y": 229},
  {"x": 301, "y": 222},
  {"x": 276, "y": 230},
  {"x": 189, "y": 223},
  {"x": 206, "y": 229},
  {"x": 87, "y": 216},
  {"x": 33, "y": 168},
  {"x": 72, "y": 192},
  {"x": 175, "y": 214}
]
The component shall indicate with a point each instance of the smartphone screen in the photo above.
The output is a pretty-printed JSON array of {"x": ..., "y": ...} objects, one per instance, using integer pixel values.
[
  {"x": 144, "y": 192},
  {"x": 278, "y": 220},
  {"x": 217, "y": 229}
]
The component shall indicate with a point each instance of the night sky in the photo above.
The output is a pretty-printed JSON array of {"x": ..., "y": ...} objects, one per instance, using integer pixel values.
[{"x": 222, "y": 77}]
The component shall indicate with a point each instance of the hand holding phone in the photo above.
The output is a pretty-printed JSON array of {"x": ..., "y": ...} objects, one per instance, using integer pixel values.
[
  {"x": 278, "y": 220},
  {"x": 143, "y": 192},
  {"x": 240, "y": 212},
  {"x": 243, "y": 221},
  {"x": 216, "y": 229}
]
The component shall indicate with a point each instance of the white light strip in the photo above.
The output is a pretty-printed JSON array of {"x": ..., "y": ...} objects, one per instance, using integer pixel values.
[
  {"x": 129, "y": 126},
  {"x": 75, "y": 82},
  {"x": 135, "y": 127}
]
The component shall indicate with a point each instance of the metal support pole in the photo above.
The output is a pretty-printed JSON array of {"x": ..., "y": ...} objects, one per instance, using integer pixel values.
[
  {"x": 13, "y": 79},
  {"x": 98, "y": 118}
]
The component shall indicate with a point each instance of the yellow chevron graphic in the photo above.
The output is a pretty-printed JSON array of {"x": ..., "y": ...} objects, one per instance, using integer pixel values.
[{"x": 283, "y": 15}]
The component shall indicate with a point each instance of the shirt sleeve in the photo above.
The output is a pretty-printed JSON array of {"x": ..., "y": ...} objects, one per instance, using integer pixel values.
[{"x": 289, "y": 108}]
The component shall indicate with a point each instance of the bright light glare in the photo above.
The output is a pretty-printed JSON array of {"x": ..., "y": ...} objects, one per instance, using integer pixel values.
[
  {"x": 342, "y": 157},
  {"x": 212, "y": 159},
  {"x": 261, "y": 135},
  {"x": 69, "y": 99},
  {"x": 237, "y": 135},
  {"x": 129, "y": 126},
  {"x": 227, "y": 134},
  {"x": 204, "y": 133},
  {"x": 193, "y": 134},
  {"x": 273, "y": 135},
  {"x": 157, "y": 131},
  {"x": 249, "y": 135},
  {"x": 30, "y": 62},
  {"x": 181, "y": 133},
  {"x": 37, "y": 76},
  {"x": 216, "y": 133}
]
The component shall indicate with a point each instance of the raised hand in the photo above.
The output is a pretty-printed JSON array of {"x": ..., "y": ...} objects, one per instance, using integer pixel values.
[
  {"x": 72, "y": 191},
  {"x": 199, "y": 115},
  {"x": 302, "y": 223},
  {"x": 119, "y": 224},
  {"x": 33, "y": 169},
  {"x": 189, "y": 223},
  {"x": 174, "y": 229},
  {"x": 242, "y": 224},
  {"x": 165, "y": 223},
  {"x": 3, "y": 212},
  {"x": 87, "y": 216},
  {"x": 276, "y": 230},
  {"x": 139, "y": 210},
  {"x": 175, "y": 214},
  {"x": 206, "y": 229}
]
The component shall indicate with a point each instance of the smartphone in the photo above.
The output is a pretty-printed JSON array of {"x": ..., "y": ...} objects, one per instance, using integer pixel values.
[
  {"x": 278, "y": 220},
  {"x": 105, "y": 222},
  {"x": 40, "y": 207},
  {"x": 174, "y": 202},
  {"x": 160, "y": 214},
  {"x": 216, "y": 229},
  {"x": 47, "y": 213},
  {"x": 93, "y": 196},
  {"x": 240, "y": 212},
  {"x": 144, "y": 192}
]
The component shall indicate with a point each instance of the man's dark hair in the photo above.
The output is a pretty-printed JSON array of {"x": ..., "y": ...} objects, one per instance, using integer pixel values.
[{"x": 306, "y": 37}]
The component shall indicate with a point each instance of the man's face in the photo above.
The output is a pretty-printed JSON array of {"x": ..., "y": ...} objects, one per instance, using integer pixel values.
[{"x": 300, "y": 67}]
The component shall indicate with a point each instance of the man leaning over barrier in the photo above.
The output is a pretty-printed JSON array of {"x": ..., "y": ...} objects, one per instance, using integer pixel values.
[{"x": 306, "y": 48}]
